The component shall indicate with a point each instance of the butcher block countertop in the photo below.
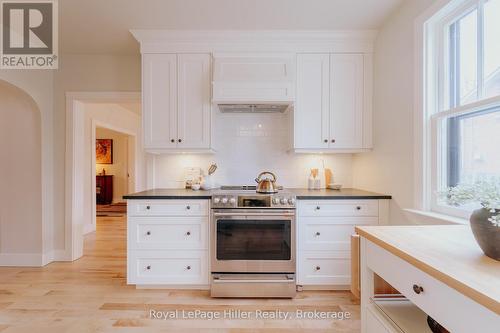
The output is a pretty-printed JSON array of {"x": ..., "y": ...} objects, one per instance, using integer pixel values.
[{"x": 448, "y": 253}]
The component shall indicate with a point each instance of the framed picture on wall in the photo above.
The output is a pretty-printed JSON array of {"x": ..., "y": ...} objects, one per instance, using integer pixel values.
[{"x": 104, "y": 151}]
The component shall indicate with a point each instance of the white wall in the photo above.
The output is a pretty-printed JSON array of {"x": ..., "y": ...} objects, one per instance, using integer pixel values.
[
  {"x": 247, "y": 144},
  {"x": 39, "y": 85},
  {"x": 119, "y": 168},
  {"x": 389, "y": 168},
  {"x": 83, "y": 72},
  {"x": 20, "y": 178}
]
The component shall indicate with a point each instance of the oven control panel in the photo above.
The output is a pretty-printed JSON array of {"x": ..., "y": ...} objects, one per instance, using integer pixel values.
[{"x": 253, "y": 201}]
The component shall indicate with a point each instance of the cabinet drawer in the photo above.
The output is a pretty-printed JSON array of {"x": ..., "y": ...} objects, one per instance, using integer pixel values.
[
  {"x": 329, "y": 234},
  {"x": 168, "y": 233},
  {"x": 168, "y": 267},
  {"x": 168, "y": 208},
  {"x": 438, "y": 300},
  {"x": 324, "y": 268},
  {"x": 338, "y": 208}
]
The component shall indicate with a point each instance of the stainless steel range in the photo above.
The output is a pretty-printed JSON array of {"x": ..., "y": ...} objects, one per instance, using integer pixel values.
[{"x": 252, "y": 243}]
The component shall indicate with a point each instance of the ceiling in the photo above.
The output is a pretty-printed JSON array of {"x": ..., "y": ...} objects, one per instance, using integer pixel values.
[{"x": 102, "y": 26}]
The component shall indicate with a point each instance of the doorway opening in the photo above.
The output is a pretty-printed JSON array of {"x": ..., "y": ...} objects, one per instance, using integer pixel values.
[{"x": 114, "y": 164}]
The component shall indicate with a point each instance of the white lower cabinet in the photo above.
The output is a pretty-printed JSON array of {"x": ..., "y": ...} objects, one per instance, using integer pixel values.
[
  {"x": 323, "y": 239},
  {"x": 167, "y": 242}
]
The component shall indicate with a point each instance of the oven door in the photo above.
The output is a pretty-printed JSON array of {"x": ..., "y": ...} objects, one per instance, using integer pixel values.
[{"x": 253, "y": 241}]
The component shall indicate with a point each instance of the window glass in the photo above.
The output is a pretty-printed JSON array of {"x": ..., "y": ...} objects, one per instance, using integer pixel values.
[{"x": 492, "y": 48}]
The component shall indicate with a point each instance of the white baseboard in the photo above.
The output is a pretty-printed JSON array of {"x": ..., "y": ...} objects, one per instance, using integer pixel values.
[
  {"x": 21, "y": 259},
  {"x": 55, "y": 255}
]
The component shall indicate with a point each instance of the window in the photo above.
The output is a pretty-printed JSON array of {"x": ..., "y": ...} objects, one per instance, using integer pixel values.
[{"x": 464, "y": 125}]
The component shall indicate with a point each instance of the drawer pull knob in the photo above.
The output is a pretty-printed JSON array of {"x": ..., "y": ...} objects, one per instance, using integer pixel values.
[
  {"x": 148, "y": 207},
  {"x": 333, "y": 140},
  {"x": 358, "y": 207},
  {"x": 325, "y": 140},
  {"x": 188, "y": 268},
  {"x": 188, "y": 233},
  {"x": 418, "y": 289},
  {"x": 318, "y": 268},
  {"x": 148, "y": 267},
  {"x": 180, "y": 140},
  {"x": 148, "y": 233},
  {"x": 318, "y": 233},
  {"x": 188, "y": 207},
  {"x": 172, "y": 140},
  {"x": 318, "y": 207}
]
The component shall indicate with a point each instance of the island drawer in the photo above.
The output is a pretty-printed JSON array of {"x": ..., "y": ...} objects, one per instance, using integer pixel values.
[{"x": 434, "y": 297}]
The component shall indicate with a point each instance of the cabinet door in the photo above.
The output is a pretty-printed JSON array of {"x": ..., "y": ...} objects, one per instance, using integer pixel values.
[
  {"x": 346, "y": 101},
  {"x": 311, "y": 115},
  {"x": 159, "y": 89},
  {"x": 194, "y": 101}
]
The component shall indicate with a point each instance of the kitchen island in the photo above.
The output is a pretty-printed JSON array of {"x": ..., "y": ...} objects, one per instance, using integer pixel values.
[{"x": 440, "y": 270}]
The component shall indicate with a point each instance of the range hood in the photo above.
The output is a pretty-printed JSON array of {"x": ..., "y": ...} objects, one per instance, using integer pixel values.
[
  {"x": 253, "y": 108},
  {"x": 253, "y": 82}
]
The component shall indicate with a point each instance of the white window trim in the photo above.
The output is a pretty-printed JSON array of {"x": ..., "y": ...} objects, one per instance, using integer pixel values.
[{"x": 428, "y": 98}]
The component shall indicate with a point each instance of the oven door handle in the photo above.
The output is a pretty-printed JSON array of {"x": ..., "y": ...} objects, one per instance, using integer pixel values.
[{"x": 254, "y": 215}]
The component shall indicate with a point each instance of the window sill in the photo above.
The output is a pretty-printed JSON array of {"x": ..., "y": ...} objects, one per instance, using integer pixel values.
[{"x": 426, "y": 217}]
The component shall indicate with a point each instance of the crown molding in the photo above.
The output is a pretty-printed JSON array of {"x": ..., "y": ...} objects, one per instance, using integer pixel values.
[{"x": 339, "y": 41}]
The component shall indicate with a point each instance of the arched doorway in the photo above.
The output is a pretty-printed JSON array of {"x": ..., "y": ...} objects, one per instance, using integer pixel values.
[{"x": 20, "y": 176}]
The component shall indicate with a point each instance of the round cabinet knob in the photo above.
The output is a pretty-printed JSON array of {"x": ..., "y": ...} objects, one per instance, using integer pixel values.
[
  {"x": 188, "y": 207},
  {"x": 148, "y": 207},
  {"x": 188, "y": 233},
  {"x": 232, "y": 201},
  {"x": 148, "y": 233},
  {"x": 418, "y": 289},
  {"x": 326, "y": 141},
  {"x": 318, "y": 268},
  {"x": 358, "y": 207},
  {"x": 291, "y": 201},
  {"x": 148, "y": 267},
  {"x": 224, "y": 200},
  {"x": 333, "y": 140},
  {"x": 318, "y": 234},
  {"x": 276, "y": 201},
  {"x": 318, "y": 207},
  {"x": 180, "y": 140},
  {"x": 172, "y": 140},
  {"x": 216, "y": 200},
  {"x": 188, "y": 268}
]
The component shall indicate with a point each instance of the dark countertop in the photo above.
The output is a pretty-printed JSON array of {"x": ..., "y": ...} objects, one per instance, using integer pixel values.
[{"x": 302, "y": 194}]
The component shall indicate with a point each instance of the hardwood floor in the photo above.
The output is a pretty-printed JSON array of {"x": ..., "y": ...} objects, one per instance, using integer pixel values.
[{"x": 91, "y": 295}]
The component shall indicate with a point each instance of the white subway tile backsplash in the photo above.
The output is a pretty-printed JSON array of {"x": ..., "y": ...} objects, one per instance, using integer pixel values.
[{"x": 247, "y": 144}]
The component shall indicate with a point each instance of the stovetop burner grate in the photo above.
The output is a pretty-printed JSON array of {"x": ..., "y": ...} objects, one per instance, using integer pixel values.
[{"x": 242, "y": 187}]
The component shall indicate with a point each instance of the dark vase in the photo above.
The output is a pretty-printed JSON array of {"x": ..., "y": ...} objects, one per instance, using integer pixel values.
[{"x": 486, "y": 233}]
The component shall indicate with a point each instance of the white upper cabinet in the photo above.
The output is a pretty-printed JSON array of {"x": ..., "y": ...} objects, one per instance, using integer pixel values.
[
  {"x": 346, "y": 101},
  {"x": 176, "y": 99},
  {"x": 333, "y": 109},
  {"x": 159, "y": 114},
  {"x": 312, "y": 111},
  {"x": 194, "y": 101}
]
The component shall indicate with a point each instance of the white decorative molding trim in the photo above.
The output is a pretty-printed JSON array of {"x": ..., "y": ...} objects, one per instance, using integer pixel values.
[{"x": 165, "y": 41}]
